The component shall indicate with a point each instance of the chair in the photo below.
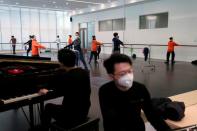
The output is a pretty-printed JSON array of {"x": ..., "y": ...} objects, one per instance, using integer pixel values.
[{"x": 92, "y": 124}]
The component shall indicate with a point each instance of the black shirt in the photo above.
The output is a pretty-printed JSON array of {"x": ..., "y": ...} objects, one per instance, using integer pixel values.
[
  {"x": 146, "y": 50},
  {"x": 74, "y": 85},
  {"x": 121, "y": 110},
  {"x": 29, "y": 43},
  {"x": 117, "y": 44}
]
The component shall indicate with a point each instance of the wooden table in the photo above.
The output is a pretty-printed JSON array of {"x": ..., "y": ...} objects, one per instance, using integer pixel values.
[
  {"x": 190, "y": 100},
  {"x": 189, "y": 119}
]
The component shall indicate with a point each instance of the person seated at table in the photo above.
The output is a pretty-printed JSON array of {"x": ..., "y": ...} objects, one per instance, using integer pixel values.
[{"x": 122, "y": 99}]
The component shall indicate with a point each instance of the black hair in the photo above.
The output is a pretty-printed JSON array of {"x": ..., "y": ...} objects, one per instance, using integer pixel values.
[
  {"x": 70, "y": 35},
  {"x": 77, "y": 33},
  {"x": 58, "y": 36},
  {"x": 115, "y": 59},
  {"x": 93, "y": 37},
  {"x": 171, "y": 38},
  {"x": 115, "y": 34},
  {"x": 33, "y": 36},
  {"x": 66, "y": 57}
]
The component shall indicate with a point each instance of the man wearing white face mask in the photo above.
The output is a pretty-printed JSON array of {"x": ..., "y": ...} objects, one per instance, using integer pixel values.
[
  {"x": 126, "y": 82},
  {"x": 122, "y": 99}
]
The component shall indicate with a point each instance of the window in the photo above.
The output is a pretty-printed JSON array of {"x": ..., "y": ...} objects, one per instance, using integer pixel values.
[
  {"x": 118, "y": 24},
  {"x": 22, "y": 22},
  {"x": 44, "y": 30},
  {"x": 153, "y": 21},
  {"x": 26, "y": 24},
  {"x": 105, "y": 25},
  {"x": 111, "y": 25}
]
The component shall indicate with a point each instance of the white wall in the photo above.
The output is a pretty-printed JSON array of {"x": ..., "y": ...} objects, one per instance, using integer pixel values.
[{"x": 182, "y": 26}]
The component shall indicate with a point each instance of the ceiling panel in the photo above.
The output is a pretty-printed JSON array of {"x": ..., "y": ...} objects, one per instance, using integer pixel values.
[{"x": 56, "y": 4}]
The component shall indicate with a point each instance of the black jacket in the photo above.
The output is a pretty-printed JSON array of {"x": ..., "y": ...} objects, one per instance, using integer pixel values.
[
  {"x": 117, "y": 44},
  {"x": 76, "y": 43},
  {"x": 168, "y": 109}
]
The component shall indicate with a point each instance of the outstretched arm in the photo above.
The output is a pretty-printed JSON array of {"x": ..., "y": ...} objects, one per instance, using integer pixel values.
[
  {"x": 28, "y": 42},
  {"x": 120, "y": 42},
  {"x": 176, "y": 44},
  {"x": 39, "y": 45},
  {"x": 99, "y": 43}
]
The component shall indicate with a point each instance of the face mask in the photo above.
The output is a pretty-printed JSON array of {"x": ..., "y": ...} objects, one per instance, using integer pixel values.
[{"x": 126, "y": 81}]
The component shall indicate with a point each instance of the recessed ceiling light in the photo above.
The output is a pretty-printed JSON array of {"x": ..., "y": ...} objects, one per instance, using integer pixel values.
[
  {"x": 66, "y": 3},
  {"x": 133, "y": 1},
  {"x": 17, "y": 3},
  {"x": 83, "y": 1},
  {"x": 102, "y": 6},
  {"x": 55, "y": 6},
  {"x": 92, "y": 9},
  {"x": 54, "y": 2},
  {"x": 73, "y": 13},
  {"x": 113, "y": 5}
]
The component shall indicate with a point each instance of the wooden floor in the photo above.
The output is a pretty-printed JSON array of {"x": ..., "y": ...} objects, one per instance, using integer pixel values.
[{"x": 160, "y": 79}]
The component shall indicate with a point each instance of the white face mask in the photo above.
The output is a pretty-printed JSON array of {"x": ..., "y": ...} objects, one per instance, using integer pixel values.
[{"x": 126, "y": 81}]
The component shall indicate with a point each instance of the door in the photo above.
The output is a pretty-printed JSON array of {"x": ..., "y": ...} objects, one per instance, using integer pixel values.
[
  {"x": 91, "y": 32},
  {"x": 84, "y": 38},
  {"x": 87, "y": 30}
]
